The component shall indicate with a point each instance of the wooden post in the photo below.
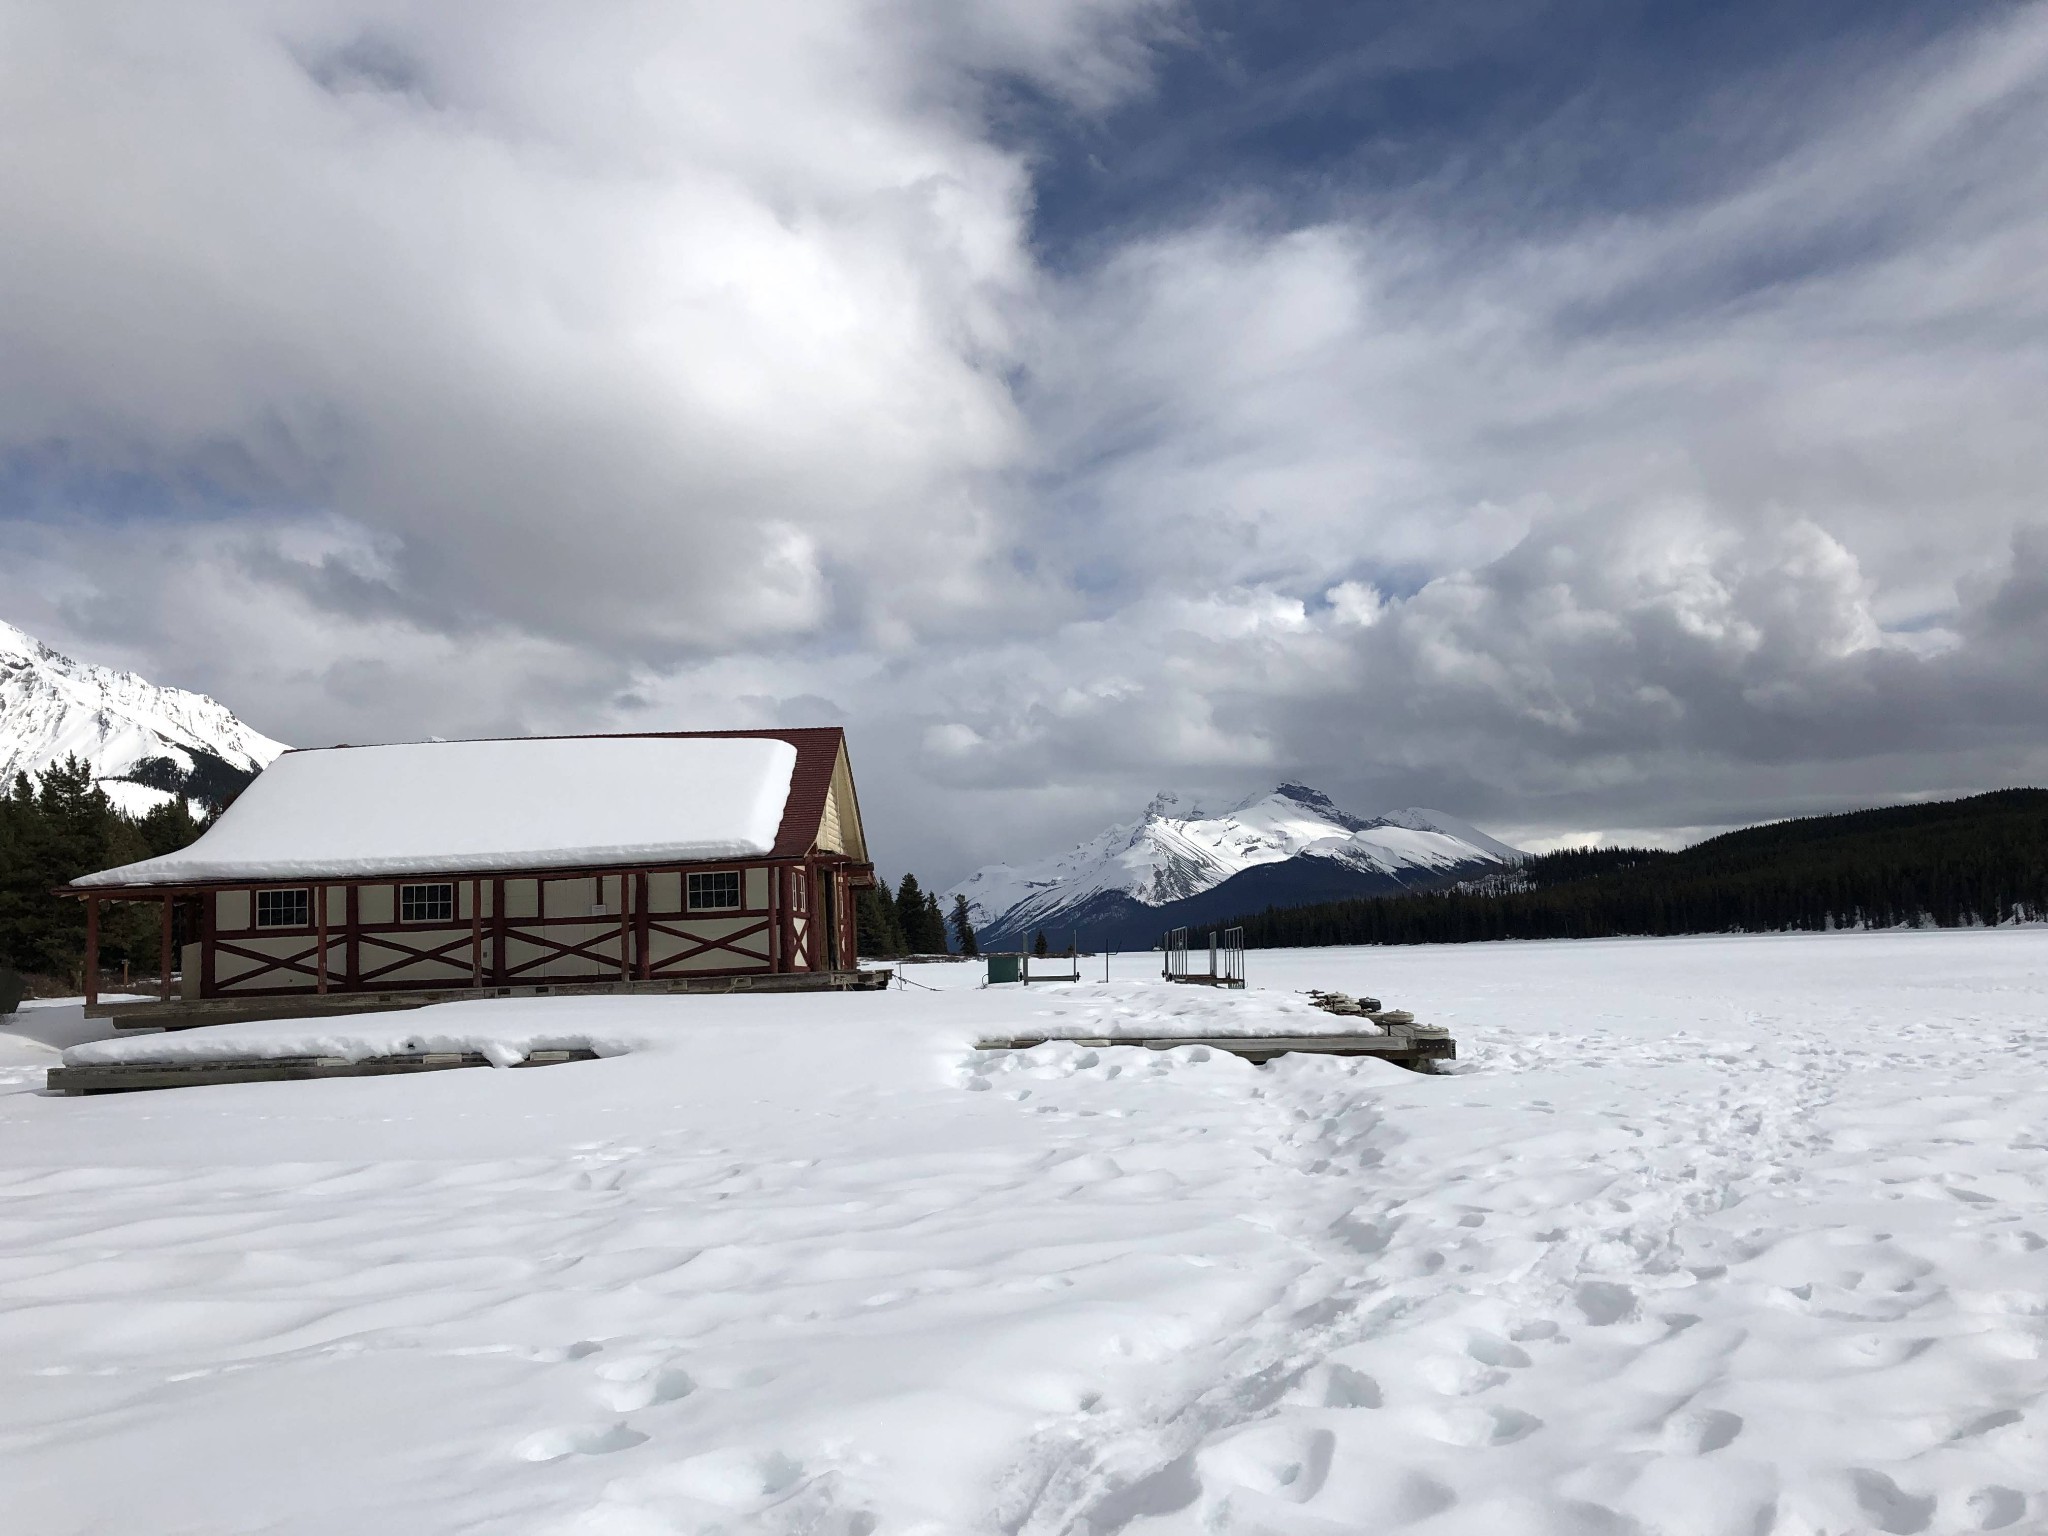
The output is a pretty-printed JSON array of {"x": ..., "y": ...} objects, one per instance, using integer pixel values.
[
  {"x": 352, "y": 949},
  {"x": 164, "y": 956},
  {"x": 476, "y": 933},
  {"x": 642, "y": 934},
  {"x": 498, "y": 930},
  {"x": 209, "y": 932},
  {"x": 92, "y": 951},
  {"x": 320, "y": 946},
  {"x": 625, "y": 931}
]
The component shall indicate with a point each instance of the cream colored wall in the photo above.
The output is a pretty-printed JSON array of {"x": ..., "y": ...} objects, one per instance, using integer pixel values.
[
  {"x": 373, "y": 955},
  {"x": 377, "y": 903},
  {"x": 830, "y": 836},
  {"x": 231, "y": 910},
  {"x": 602, "y": 937},
  {"x": 522, "y": 898},
  {"x": 839, "y": 829},
  {"x": 231, "y": 970},
  {"x": 749, "y": 953},
  {"x": 575, "y": 897},
  {"x": 757, "y": 889}
]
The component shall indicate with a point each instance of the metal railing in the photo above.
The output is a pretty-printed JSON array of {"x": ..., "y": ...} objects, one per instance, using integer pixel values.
[{"x": 1226, "y": 959}]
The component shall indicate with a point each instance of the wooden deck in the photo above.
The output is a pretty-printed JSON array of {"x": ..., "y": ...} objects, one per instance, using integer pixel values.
[
  {"x": 177, "y": 1013},
  {"x": 133, "y": 1076}
]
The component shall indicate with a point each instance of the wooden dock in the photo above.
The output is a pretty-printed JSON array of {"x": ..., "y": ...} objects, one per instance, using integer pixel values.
[
  {"x": 180, "y": 1013},
  {"x": 134, "y": 1076},
  {"x": 1418, "y": 1047}
]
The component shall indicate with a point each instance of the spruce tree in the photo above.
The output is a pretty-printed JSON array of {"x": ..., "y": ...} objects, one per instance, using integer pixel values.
[
  {"x": 934, "y": 935},
  {"x": 963, "y": 927},
  {"x": 1038, "y": 944},
  {"x": 880, "y": 930},
  {"x": 910, "y": 915},
  {"x": 53, "y": 831}
]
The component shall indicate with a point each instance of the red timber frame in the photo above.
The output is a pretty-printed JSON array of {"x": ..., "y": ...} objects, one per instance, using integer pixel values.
[{"x": 482, "y": 946}]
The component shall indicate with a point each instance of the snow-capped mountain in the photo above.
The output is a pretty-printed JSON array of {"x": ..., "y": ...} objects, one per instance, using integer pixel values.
[
  {"x": 1286, "y": 847},
  {"x": 145, "y": 743}
]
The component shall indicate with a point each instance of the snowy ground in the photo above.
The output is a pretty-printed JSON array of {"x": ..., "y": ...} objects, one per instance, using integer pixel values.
[{"x": 1704, "y": 1236}]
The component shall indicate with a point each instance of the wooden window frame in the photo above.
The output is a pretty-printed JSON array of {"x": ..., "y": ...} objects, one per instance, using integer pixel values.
[
  {"x": 304, "y": 905},
  {"x": 427, "y": 885},
  {"x": 690, "y": 890}
]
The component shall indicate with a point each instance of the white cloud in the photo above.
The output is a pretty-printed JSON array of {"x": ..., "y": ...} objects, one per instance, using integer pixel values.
[{"x": 539, "y": 367}]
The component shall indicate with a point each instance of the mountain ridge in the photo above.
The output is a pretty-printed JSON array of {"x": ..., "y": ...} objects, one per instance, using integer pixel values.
[
  {"x": 1178, "y": 866},
  {"x": 146, "y": 743}
]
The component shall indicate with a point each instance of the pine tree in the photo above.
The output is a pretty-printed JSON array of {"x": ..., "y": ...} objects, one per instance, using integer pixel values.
[
  {"x": 1038, "y": 944},
  {"x": 880, "y": 929},
  {"x": 934, "y": 934},
  {"x": 55, "y": 830},
  {"x": 963, "y": 927},
  {"x": 910, "y": 915}
]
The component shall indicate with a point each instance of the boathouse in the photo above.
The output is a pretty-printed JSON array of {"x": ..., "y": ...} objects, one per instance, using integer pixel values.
[{"x": 345, "y": 876}]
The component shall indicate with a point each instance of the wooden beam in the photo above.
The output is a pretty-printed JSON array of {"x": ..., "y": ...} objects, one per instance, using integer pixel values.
[
  {"x": 640, "y": 918},
  {"x": 625, "y": 931},
  {"x": 476, "y": 933},
  {"x": 207, "y": 939},
  {"x": 92, "y": 950},
  {"x": 351, "y": 930},
  {"x": 164, "y": 957},
  {"x": 498, "y": 930},
  {"x": 320, "y": 956}
]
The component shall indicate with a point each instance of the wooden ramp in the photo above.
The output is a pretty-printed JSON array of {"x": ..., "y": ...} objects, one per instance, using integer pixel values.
[{"x": 131, "y": 1076}]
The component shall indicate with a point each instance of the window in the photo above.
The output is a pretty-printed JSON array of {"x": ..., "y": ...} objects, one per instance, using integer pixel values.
[
  {"x": 283, "y": 909},
  {"x": 426, "y": 903},
  {"x": 716, "y": 891}
]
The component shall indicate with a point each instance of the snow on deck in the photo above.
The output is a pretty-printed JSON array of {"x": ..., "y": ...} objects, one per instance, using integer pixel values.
[
  {"x": 1704, "y": 1236},
  {"x": 508, "y": 1030},
  {"x": 474, "y": 806}
]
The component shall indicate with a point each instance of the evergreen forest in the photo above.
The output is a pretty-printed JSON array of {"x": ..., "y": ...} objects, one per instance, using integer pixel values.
[
  {"x": 54, "y": 829},
  {"x": 1957, "y": 863},
  {"x": 907, "y": 923}
]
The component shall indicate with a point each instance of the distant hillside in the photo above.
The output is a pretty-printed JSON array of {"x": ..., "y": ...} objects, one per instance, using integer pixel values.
[{"x": 1983, "y": 860}]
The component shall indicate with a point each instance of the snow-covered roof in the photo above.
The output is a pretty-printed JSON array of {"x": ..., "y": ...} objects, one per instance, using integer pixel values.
[{"x": 476, "y": 806}]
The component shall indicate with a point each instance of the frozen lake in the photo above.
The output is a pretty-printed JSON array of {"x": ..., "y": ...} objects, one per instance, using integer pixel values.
[{"x": 1726, "y": 1236}]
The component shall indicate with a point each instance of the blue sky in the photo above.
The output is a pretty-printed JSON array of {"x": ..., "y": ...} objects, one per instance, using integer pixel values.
[{"x": 1588, "y": 419}]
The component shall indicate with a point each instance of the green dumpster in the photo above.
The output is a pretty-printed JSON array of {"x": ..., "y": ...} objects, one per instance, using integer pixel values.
[{"x": 1005, "y": 968}]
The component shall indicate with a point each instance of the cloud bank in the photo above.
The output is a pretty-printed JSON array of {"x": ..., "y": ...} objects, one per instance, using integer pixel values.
[{"x": 489, "y": 368}]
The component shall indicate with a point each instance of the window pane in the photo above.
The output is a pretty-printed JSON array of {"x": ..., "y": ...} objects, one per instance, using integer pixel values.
[
  {"x": 282, "y": 909},
  {"x": 715, "y": 891},
  {"x": 426, "y": 903}
]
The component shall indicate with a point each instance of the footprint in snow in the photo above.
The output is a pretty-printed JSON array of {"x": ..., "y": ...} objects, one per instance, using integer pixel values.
[
  {"x": 579, "y": 1440},
  {"x": 1994, "y": 1508},
  {"x": 1700, "y": 1431},
  {"x": 626, "y": 1386},
  {"x": 1605, "y": 1303}
]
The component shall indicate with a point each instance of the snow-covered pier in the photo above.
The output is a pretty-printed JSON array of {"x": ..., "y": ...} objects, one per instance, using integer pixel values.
[{"x": 1416, "y": 1046}]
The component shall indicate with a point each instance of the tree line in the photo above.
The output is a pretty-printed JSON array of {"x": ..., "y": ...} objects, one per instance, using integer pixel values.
[
  {"x": 910, "y": 922},
  {"x": 52, "y": 830},
  {"x": 1972, "y": 862}
]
